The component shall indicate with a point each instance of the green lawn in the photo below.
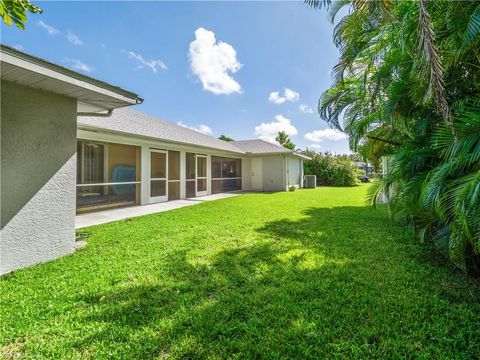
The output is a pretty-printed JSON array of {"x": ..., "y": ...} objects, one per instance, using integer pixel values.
[{"x": 308, "y": 274}]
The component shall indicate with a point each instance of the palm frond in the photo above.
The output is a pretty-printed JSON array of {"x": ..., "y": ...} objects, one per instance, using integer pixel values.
[
  {"x": 318, "y": 4},
  {"x": 375, "y": 192},
  {"x": 472, "y": 32},
  {"x": 335, "y": 7},
  {"x": 432, "y": 60}
]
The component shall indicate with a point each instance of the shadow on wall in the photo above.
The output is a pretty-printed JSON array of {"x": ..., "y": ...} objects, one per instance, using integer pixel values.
[
  {"x": 334, "y": 281},
  {"x": 38, "y": 137}
]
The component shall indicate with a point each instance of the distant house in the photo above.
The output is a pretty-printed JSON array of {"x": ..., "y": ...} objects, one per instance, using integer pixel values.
[
  {"x": 363, "y": 166},
  {"x": 69, "y": 145}
]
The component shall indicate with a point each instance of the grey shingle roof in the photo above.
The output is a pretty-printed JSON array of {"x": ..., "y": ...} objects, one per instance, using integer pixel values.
[
  {"x": 259, "y": 146},
  {"x": 129, "y": 121}
]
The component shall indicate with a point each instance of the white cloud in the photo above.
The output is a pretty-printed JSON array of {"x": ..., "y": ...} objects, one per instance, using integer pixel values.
[
  {"x": 74, "y": 39},
  {"x": 78, "y": 65},
  {"x": 50, "y": 29},
  {"x": 288, "y": 95},
  {"x": 326, "y": 134},
  {"x": 153, "y": 65},
  {"x": 214, "y": 63},
  {"x": 268, "y": 131},
  {"x": 202, "y": 128},
  {"x": 305, "y": 109},
  {"x": 276, "y": 98},
  {"x": 315, "y": 146},
  {"x": 291, "y": 95}
]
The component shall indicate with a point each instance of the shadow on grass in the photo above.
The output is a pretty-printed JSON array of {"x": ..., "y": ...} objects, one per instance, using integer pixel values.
[{"x": 336, "y": 282}]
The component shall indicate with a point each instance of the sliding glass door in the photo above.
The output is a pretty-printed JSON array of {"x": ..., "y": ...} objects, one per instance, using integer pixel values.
[
  {"x": 191, "y": 178},
  {"x": 196, "y": 175},
  {"x": 158, "y": 175},
  {"x": 201, "y": 175},
  {"x": 173, "y": 175}
]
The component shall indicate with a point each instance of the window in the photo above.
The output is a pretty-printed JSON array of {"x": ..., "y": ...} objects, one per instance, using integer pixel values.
[
  {"x": 108, "y": 175},
  {"x": 226, "y": 174},
  {"x": 91, "y": 156}
]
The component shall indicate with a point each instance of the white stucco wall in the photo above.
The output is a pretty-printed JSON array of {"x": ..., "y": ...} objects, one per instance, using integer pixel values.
[
  {"x": 273, "y": 173},
  {"x": 38, "y": 174},
  {"x": 246, "y": 173},
  {"x": 294, "y": 165}
]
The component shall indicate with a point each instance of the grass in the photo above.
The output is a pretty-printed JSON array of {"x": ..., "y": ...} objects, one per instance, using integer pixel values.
[{"x": 308, "y": 274}]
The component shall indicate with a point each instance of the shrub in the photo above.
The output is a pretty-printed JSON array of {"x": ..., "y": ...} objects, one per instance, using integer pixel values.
[
  {"x": 333, "y": 170},
  {"x": 359, "y": 171}
]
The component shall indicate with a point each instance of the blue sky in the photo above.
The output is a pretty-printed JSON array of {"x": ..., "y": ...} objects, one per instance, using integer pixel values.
[{"x": 243, "y": 69}]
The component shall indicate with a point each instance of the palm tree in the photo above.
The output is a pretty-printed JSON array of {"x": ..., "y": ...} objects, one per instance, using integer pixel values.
[{"x": 407, "y": 85}]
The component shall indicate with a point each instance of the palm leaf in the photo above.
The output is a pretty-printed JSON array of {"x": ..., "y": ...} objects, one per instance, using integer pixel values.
[{"x": 472, "y": 32}]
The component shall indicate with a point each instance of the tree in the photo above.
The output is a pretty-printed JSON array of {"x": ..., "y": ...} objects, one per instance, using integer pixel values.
[
  {"x": 226, "y": 138},
  {"x": 283, "y": 139},
  {"x": 16, "y": 11},
  {"x": 330, "y": 169},
  {"x": 406, "y": 85}
]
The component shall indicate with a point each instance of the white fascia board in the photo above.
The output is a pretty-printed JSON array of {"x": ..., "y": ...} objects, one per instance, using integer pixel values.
[
  {"x": 301, "y": 156},
  {"x": 267, "y": 154},
  {"x": 41, "y": 70}
]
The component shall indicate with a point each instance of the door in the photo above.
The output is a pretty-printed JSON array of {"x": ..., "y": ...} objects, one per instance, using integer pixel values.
[
  {"x": 201, "y": 175},
  {"x": 158, "y": 176},
  {"x": 173, "y": 175},
  {"x": 257, "y": 174},
  {"x": 190, "y": 172}
]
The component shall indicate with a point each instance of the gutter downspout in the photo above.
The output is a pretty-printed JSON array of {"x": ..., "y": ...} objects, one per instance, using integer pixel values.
[{"x": 109, "y": 111}]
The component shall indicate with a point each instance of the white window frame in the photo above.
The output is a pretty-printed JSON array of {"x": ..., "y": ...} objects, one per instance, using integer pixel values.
[{"x": 205, "y": 192}]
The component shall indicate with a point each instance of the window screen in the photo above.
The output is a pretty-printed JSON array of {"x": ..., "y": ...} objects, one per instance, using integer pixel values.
[{"x": 226, "y": 174}]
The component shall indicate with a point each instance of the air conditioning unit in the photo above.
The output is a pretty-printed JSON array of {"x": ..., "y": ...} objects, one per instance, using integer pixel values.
[{"x": 310, "y": 181}]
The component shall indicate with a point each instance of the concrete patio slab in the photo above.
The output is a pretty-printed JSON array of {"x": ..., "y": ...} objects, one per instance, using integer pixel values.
[
  {"x": 216, "y": 196},
  {"x": 105, "y": 216}
]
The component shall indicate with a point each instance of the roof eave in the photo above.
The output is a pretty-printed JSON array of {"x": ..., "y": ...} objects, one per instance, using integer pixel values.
[
  {"x": 268, "y": 153},
  {"x": 304, "y": 157},
  {"x": 125, "y": 133},
  {"x": 43, "y": 67}
]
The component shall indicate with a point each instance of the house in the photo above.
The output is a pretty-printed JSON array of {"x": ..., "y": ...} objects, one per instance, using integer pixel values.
[
  {"x": 131, "y": 158},
  {"x": 69, "y": 144},
  {"x": 363, "y": 166},
  {"x": 40, "y": 102}
]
